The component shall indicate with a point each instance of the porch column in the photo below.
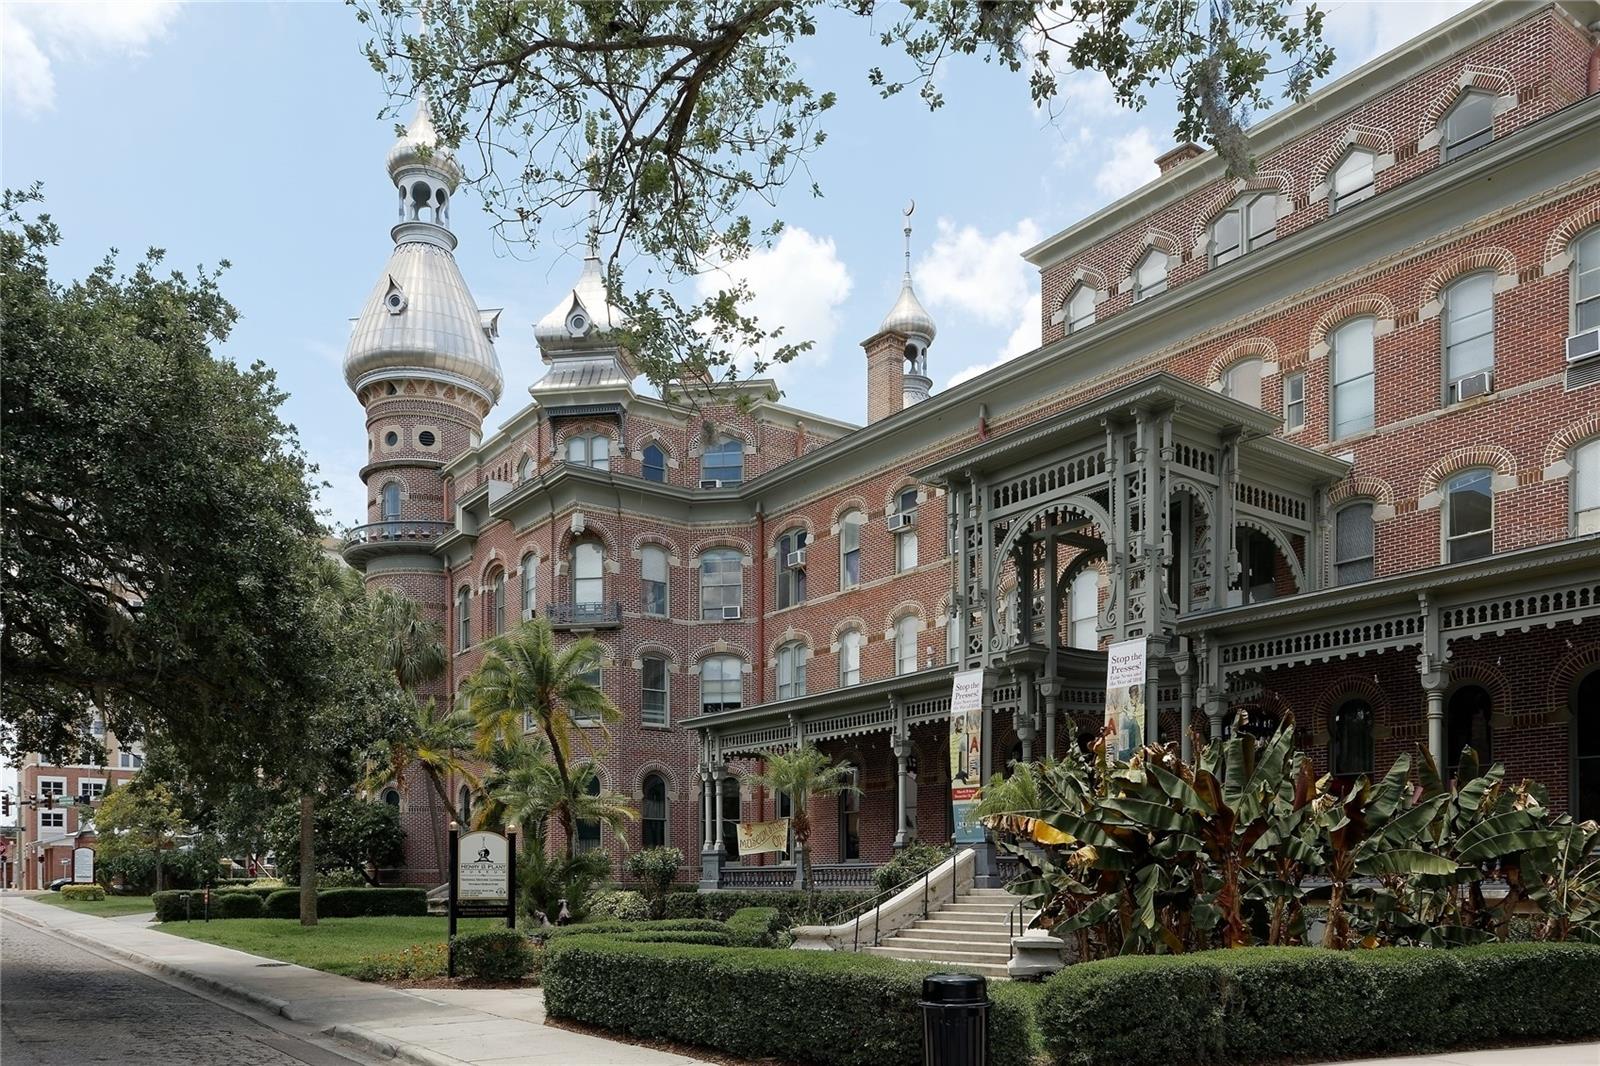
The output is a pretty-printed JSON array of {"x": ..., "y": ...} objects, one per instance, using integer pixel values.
[
  {"x": 902, "y": 758},
  {"x": 1185, "y": 670},
  {"x": 708, "y": 829},
  {"x": 1047, "y": 688},
  {"x": 1435, "y": 678},
  {"x": 1027, "y": 726},
  {"x": 718, "y": 775}
]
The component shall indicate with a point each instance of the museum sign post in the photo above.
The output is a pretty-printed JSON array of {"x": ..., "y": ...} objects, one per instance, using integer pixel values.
[{"x": 483, "y": 880}]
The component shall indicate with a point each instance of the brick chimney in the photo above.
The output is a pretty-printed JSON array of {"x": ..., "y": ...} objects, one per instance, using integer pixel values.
[
  {"x": 886, "y": 361},
  {"x": 1178, "y": 156}
]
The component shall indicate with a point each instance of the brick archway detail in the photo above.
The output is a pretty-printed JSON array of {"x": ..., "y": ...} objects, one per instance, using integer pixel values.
[{"x": 1491, "y": 455}]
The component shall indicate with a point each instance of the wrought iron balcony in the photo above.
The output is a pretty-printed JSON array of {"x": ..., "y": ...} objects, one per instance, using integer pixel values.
[
  {"x": 375, "y": 538},
  {"x": 584, "y": 615}
]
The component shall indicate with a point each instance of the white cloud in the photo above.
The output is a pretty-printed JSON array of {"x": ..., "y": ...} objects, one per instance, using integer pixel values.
[
  {"x": 1361, "y": 29},
  {"x": 978, "y": 274},
  {"x": 799, "y": 283},
  {"x": 36, "y": 36},
  {"x": 1023, "y": 339},
  {"x": 1130, "y": 161}
]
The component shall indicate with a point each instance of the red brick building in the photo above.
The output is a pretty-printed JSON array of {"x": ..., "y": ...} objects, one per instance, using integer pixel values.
[
  {"x": 1328, "y": 437},
  {"x": 47, "y": 835}
]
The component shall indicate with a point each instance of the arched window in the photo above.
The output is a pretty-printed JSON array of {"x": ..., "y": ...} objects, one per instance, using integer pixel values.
[
  {"x": 1586, "y": 282},
  {"x": 905, "y": 533},
  {"x": 1150, "y": 276},
  {"x": 1468, "y": 724},
  {"x": 1242, "y": 382},
  {"x": 653, "y": 572},
  {"x": 850, "y": 549},
  {"x": 653, "y": 812},
  {"x": 791, "y": 670},
  {"x": 497, "y": 604},
  {"x": 722, "y": 462},
  {"x": 391, "y": 502},
  {"x": 1350, "y": 739},
  {"x": 588, "y": 573},
  {"x": 530, "y": 578},
  {"x": 391, "y": 796},
  {"x": 1083, "y": 609},
  {"x": 721, "y": 684},
  {"x": 1468, "y": 335},
  {"x": 1079, "y": 308},
  {"x": 654, "y": 463},
  {"x": 1352, "y": 544},
  {"x": 730, "y": 817},
  {"x": 589, "y": 449},
  {"x": 1354, "y": 179},
  {"x": 1586, "y": 488},
  {"x": 589, "y": 829},
  {"x": 655, "y": 697},
  {"x": 850, "y": 818},
  {"x": 1351, "y": 373},
  {"x": 463, "y": 618},
  {"x": 525, "y": 468},
  {"x": 1469, "y": 516},
  {"x": 1249, "y": 223},
  {"x": 721, "y": 584},
  {"x": 905, "y": 645},
  {"x": 464, "y": 804},
  {"x": 1586, "y": 747},
  {"x": 791, "y": 567},
  {"x": 1258, "y": 566},
  {"x": 850, "y": 644},
  {"x": 1469, "y": 125}
]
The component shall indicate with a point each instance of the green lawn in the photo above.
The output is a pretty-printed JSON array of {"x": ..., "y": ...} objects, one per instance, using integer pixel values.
[
  {"x": 333, "y": 944},
  {"x": 110, "y": 907}
]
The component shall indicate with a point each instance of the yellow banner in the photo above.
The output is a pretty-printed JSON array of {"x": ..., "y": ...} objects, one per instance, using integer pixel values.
[{"x": 756, "y": 838}]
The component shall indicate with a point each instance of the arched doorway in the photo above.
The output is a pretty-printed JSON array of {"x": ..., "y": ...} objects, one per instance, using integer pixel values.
[{"x": 1586, "y": 747}]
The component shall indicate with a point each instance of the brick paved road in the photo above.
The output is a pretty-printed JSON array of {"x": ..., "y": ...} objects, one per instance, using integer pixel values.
[{"x": 60, "y": 1005}]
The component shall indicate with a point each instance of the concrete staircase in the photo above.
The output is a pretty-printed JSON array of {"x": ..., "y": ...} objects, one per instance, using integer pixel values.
[{"x": 971, "y": 933}]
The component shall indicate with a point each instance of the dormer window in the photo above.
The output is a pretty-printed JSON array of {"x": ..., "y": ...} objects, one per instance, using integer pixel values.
[
  {"x": 590, "y": 449},
  {"x": 1469, "y": 125},
  {"x": 723, "y": 462},
  {"x": 1354, "y": 179},
  {"x": 1080, "y": 308},
  {"x": 1150, "y": 276},
  {"x": 1249, "y": 223},
  {"x": 653, "y": 463}
]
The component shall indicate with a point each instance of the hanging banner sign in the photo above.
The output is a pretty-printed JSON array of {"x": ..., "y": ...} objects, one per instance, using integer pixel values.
[
  {"x": 1125, "y": 682},
  {"x": 966, "y": 755},
  {"x": 483, "y": 867},
  {"x": 758, "y": 838},
  {"x": 83, "y": 866}
]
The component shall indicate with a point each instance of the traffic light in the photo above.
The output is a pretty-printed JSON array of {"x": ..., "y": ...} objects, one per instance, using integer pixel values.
[{"x": 5, "y": 805}]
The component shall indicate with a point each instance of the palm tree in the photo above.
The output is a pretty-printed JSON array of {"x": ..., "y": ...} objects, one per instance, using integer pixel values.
[
  {"x": 525, "y": 677},
  {"x": 532, "y": 793},
  {"x": 435, "y": 745},
  {"x": 802, "y": 774},
  {"x": 413, "y": 645}
]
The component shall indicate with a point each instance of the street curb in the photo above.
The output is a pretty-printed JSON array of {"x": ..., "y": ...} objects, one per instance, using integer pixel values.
[{"x": 353, "y": 1036}]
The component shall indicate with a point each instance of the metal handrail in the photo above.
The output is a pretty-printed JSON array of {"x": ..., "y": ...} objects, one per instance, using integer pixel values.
[
  {"x": 1011, "y": 948},
  {"x": 854, "y": 912},
  {"x": 608, "y": 612},
  {"x": 378, "y": 532}
]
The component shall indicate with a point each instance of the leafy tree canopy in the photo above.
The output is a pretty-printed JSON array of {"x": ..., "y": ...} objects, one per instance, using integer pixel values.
[
  {"x": 349, "y": 832},
  {"x": 678, "y": 116}
]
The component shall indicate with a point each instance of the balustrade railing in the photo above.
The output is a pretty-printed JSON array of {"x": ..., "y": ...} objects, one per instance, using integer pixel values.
[
  {"x": 823, "y": 875},
  {"x": 394, "y": 532},
  {"x": 570, "y": 615}
]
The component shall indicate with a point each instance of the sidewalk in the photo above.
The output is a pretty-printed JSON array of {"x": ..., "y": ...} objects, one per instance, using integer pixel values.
[{"x": 427, "y": 1027}]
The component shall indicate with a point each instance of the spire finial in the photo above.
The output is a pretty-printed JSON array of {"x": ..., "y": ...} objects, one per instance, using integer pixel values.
[{"x": 910, "y": 208}]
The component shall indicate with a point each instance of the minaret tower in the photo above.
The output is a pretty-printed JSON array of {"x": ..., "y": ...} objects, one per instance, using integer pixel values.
[{"x": 897, "y": 355}]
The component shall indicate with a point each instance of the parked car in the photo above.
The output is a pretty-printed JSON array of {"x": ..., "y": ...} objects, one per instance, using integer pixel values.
[{"x": 55, "y": 886}]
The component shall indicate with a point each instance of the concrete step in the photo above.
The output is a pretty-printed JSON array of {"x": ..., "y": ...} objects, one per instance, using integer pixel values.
[
  {"x": 974, "y": 924},
  {"x": 960, "y": 947},
  {"x": 991, "y": 893},
  {"x": 958, "y": 936},
  {"x": 997, "y": 910},
  {"x": 988, "y": 966}
]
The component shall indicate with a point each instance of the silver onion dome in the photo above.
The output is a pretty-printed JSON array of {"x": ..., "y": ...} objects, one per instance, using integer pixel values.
[
  {"x": 908, "y": 316},
  {"x": 420, "y": 321},
  {"x": 418, "y": 146},
  {"x": 583, "y": 316}
]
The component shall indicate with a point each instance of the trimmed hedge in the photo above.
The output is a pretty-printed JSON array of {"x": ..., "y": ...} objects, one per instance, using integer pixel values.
[
  {"x": 236, "y": 905},
  {"x": 797, "y": 908},
  {"x": 836, "y": 1009},
  {"x": 169, "y": 905},
  {"x": 372, "y": 903},
  {"x": 1274, "y": 1004},
  {"x": 493, "y": 955},
  {"x": 674, "y": 936},
  {"x": 83, "y": 893},
  {"x": 757, "y": 927},
  {"x": 666, "y": 925},
  {"x": 284, "y": 903}
]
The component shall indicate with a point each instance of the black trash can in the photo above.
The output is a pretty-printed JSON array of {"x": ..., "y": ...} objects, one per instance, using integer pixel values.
[{"x": 955, "y": 1020}]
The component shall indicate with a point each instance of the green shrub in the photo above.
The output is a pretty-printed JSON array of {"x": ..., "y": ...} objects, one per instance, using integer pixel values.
[
  {"x": 758, "y": 927},
  {"x": 83, "y": 893},
  {"x": 909, "y": 863},
  {"x": 419, "y": 962},
  {"x": 170, "y": 905},
  {"x": 372, "y": 903},
  {"x": 1272, "y": 1004},
  {"x": 797, "y": 908},
  {"x": 492, "y": 955},
  {"x": 674, "y": 936},
  {"x": 341, "y": 878},
  {"x": 666, "y": 925},
  {"x": 617, "y": 905},
  {"x": 283, "y": 903},
  {"x": 837, "y": 1009},
  {"x": 267, "y": 883},
  {"x": 236, "y": 905},
  {"x": 655, "y": 869}
]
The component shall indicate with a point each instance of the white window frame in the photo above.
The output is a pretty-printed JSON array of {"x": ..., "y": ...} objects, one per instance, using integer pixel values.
[
  {"x": 48, "y": 820},
  {"x": 497, "y": 603},
  {"x": 1451, "y": 149},
  {"x": 96, "y": 787},
  {"x": 1446, "y": 508},
  {"x": 712, "y": 612},
  {"x": 1294, "y": 401},
  {"x": 1447, "y": 338},
  {"x": 791, "y": 670},
  {"x": 1353, "y": 162},
  {"x": 528, "y": 581},
  {"x": 130, "y": 758},
  {"x": 1241, "y": 210},
  {"x": 791, "y": 590},
  {"x": 1370, "y": 376},
  {"x": 463, "y": 618},
  {"x": 1142, "y": 289},
  {"x": 851, "y": 642},
  {"x": 644, "y": 462},
  {"x": 647, "y": 553},
  {"x": 1085, "y": 585},
  {"x": 1075, "y": 318},
  {"x": 1371, "y": 558},
  {"x": 397, "y": 492},
  {"x": 1585, "y": 246},
  {"x": 851, "y": 525},
  {"x": 906, "y": 547},
  {"x": 1585, "y": 460},
  {"x": 1244, "y": 391},
  {"x": 905, "y": 645},
  {"x": 586, "y": 550},
  {"x": 737, "y": 680},
  {"x": 664, "y": 718},
  {"x": 721, "y": 447}
]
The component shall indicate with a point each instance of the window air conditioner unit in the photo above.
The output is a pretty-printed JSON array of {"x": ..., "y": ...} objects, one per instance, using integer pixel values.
[
  {"x": 901, "y": 520},
  {"x": 528, "y": 614},
  {"x": 711, "y": 484},
  {"x": 1472, "y": 385},
  {"x": 731, "y": 614},
  {"x": 795, "y": 560},
  {"x": 1585, "y": 345}
]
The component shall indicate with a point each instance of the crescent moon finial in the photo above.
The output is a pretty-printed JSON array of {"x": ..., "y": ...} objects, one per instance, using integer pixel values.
[{"x": 910, "y": 207}]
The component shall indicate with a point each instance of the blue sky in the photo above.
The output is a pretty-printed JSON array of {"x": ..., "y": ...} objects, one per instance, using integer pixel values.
[{"x": 249, "y": 132}]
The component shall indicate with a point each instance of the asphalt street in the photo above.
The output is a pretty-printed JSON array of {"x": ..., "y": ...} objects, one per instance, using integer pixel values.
[{"x": 61, "y": 1004}]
